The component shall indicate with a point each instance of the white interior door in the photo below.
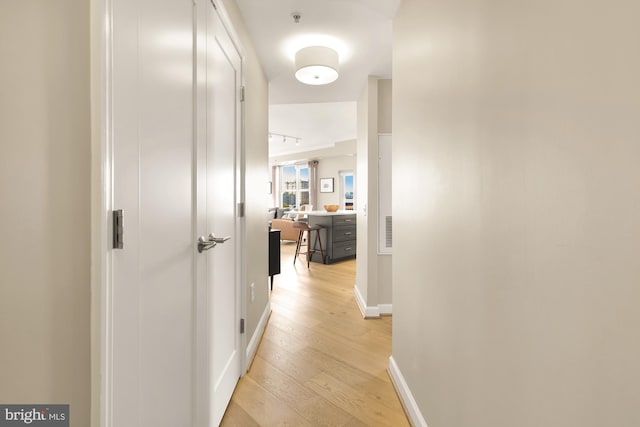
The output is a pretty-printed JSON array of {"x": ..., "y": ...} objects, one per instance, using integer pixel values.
[
  {"x": 223, "y": 133},
  {"x": 171, "y": 346},
  {"x": 149, "y": 301}
]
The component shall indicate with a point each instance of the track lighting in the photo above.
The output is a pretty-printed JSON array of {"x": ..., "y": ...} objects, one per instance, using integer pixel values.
[{"x": 295, "y": 139}]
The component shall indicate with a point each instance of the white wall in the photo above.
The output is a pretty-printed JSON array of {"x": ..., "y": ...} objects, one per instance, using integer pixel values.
[
  {"x": 516, "y": 271},
  {"x": 373, "y": 271},
  {"x": 367, "y": 123},
  {"x": 330, "y": 168},
  {"x": 385, "y": 91},
  {"x": 44, "y": 188},
  {"x": 385, "y": 281}
]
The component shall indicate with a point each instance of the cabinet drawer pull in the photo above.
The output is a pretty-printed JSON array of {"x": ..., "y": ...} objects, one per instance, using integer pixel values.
[
  {"x": 347, "y": 249},
  {"x": 348, "y": 233}
]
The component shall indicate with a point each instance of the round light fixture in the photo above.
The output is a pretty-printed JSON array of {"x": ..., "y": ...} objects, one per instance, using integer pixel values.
[{"x": 317, "y": 65}]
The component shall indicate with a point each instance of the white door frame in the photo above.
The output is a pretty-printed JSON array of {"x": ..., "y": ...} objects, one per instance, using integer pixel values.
[
  {"x": 102, "y": 206},
  {"x": 241, "y": 174},
  {"x": 203, "y": 353}
]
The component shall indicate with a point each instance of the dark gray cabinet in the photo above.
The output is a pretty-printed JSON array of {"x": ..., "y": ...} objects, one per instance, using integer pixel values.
[{"x": 338, "y": 236}]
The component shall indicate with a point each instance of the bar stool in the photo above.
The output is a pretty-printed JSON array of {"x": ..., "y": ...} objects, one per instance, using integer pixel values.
[{"x": 303, "y": 226}]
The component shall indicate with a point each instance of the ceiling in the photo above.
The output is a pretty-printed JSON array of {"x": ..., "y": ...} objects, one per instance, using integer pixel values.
[
  {"x": 360, "y": 30},
  {"x": 317, "y": 125}
]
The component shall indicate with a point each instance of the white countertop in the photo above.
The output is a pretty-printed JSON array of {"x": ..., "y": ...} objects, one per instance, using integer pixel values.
[{"x": 325, "y": 213}]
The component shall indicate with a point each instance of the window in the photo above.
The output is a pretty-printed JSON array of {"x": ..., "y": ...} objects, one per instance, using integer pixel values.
[
  {"x": 347, "y": 191},
  {"x": 294, "y": 186}
]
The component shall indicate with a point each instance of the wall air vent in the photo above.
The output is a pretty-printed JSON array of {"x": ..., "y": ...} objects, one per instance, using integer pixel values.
[{"x": 388, "y": 235}]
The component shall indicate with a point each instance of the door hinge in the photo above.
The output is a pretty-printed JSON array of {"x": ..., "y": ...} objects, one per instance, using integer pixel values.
[
  {"x": 241, "y": 209},
  {"x": 242, "y": 94},
  {"x": 242, "y": 326},
  {"x": 118, "y": 229}
]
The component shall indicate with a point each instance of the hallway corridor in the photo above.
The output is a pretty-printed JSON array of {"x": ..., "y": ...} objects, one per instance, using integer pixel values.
[{"x": 319, "y": 363}]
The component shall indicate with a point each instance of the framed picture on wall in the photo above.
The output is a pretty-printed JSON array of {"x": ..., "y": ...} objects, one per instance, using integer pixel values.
[{"x": 326, "y": 185}]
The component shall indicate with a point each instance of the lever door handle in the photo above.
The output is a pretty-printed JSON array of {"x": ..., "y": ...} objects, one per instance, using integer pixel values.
[
  {"x": 215, "y": 239},
  {"x": 205, "y": 244}
]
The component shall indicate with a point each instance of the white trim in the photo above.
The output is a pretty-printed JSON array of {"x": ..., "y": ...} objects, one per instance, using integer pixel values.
[
  {"x": 228, "y": 25},
  {"x": 239, "y": 194},
  {"x": 406, "y": 397},
  {"x": 241, "y": 229},
  {"x": 252, "y": 347},
  {"x": 367, "y": 312},
  {"x": 371, "y": 312},
  {"x": 227, "y": 22},
  {"x": 202, "y": 350},
  {"x": 385, "y": 309},
  {"x": 101, "y": 200}
]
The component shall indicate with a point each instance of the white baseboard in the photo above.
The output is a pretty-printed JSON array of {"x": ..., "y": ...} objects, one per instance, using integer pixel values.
[
  {"x": 252, "y": 347},
  {"x": 406, "y": 397},
  {"x": 366, "y": 311},
  {"x": 373, "y": 311},
  {"x": 385, "y": 309}
]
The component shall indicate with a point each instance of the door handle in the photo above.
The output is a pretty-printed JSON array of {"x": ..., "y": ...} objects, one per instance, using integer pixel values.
[
  {"x": 215, "y": 239},
  {"x": 205, "y": 244}
]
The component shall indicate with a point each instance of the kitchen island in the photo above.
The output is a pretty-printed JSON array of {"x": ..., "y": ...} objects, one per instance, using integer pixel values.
[{"x": 338, "y": 235}]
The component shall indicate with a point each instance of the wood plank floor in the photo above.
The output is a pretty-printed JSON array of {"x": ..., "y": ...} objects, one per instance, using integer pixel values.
[{"x": 319, "y": 363}]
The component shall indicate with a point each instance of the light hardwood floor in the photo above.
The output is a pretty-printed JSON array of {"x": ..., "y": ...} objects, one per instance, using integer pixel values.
[{"x": 319, "y": 363}]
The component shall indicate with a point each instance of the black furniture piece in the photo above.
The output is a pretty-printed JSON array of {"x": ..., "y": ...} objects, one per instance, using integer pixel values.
[
  {"x": 274, "y": 254},
  {"x": 338, "y": 237}
]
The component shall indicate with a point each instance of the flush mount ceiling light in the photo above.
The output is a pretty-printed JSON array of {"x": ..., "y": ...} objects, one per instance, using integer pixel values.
[{"x": 316, "y": 65}]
